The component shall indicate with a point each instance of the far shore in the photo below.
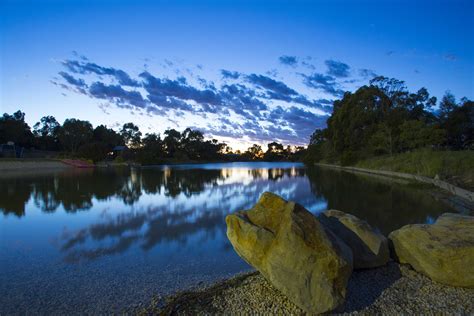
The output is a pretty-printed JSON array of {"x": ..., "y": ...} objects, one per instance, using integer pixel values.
[
  {"x": 12, "y": 164},
  {"x": 31, "y": 164}
]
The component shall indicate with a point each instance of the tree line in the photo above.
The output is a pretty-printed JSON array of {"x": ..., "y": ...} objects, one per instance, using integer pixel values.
[
  {"x": 78, "y": 138},
  {"x": 384, "y": 118}
]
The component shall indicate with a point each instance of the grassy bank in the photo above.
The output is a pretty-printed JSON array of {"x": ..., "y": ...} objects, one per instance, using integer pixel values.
[{"x": 456, "y": 167}]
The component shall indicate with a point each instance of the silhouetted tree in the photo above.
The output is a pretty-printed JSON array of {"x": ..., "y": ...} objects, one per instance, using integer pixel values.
[
  {"x": 172, "y": 141},
  {"x": 152, "y": 150},
  {"x": 385, "y": 118},
  {"x": 447, "y": 105},
  {"x": 107, "y": 136},
  {"x": 131, "y": 135},
  {"x": 254, "y": 152},
  {"x": 46, "y": 133},
  {"x": 275, "y": 152},
  {"x": 14, "y": 128},
  {"x": 459, "y": 126},
  {"x": 74, "y": 133}
]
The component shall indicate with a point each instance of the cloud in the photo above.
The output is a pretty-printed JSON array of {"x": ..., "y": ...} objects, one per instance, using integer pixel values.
[
  {"x": 309, "y": 65},
  {"x": 450, "y": 57},
  {"x": 79, "y": 67},
  {"x": 255, "y": 100},
  {"x": 272, "y": 72},
  {"x": 79, "y": 83},
  {"x": 303, "y": 122},
  {"x": 117, "y": 94},
  {"x": 278, "y": 89},
  {"x": 227, "y": 74},
  {"x": 288, "y": 60},
  {"x": 367, "y": 73},
  {"x": 323, "y": 82},
  {"x": 158, "y": 88},
  {"x": 337, "y": 69},
  {"x": 293, "y": 125}
]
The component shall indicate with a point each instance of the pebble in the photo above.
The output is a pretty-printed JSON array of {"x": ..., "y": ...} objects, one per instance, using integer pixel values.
[{"x": 392, "y": 289}]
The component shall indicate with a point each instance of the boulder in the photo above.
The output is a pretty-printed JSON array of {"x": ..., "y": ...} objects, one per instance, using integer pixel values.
[
  {"x": 369, "y": 247},
  {"x": 293, "y": 251},
  {"x": 444, "y": 251}
]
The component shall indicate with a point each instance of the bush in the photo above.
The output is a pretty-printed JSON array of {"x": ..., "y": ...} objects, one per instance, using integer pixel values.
[
  {"x": 93, "y": 151},
  {"x": 348, "y": 158}
]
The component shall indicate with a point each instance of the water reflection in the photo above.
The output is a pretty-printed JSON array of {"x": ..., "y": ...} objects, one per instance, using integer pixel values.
[
  {"x": 384, "y": 203},
  {"x": 75, "y": 190},
  {"x": 148, "y": 229},
  {"x": 184, "y": 204},
  {"x": 175, "y": 204}
]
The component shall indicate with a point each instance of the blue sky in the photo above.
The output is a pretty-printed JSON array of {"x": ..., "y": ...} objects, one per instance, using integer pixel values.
[{"x": 241, "y": 71}]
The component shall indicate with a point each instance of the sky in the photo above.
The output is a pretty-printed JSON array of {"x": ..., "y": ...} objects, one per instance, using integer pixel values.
[{"x": 243, "y": 72}]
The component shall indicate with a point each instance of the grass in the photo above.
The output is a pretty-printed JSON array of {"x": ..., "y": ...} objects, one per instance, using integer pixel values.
[{"x": 456, "y": 167}]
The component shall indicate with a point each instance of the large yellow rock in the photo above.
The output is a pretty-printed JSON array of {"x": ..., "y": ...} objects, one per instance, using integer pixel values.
[
  {"x": 294, "y": 252},
  {"x": 443, "y": 251},
  {"x": 369, "y": 247}
]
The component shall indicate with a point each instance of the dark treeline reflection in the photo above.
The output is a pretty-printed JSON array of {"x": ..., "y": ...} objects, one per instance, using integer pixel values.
[
  {"x": 75, "y": 190},
  {"x": 384, "y": 203}
]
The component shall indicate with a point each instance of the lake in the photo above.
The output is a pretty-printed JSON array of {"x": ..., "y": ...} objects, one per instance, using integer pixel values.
[{"x": 101, "y": 240}]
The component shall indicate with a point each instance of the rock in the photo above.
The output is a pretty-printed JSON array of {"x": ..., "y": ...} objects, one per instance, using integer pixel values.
[
  {"x": 443, "y": 251},
  {"x": 293, "y": 251},
  {"x": 369, "y": 247}
]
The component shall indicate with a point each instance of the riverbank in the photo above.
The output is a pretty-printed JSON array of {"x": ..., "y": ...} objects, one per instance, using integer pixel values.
[
  {"x": 392, "y": 289},
  {"x": 45, "y": 163},
  {"x": 31, "y": 164}
]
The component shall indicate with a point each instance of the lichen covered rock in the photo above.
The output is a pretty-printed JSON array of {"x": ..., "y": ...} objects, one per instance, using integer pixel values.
[
  {"x": 369, "y": 247},
  {"x": 293, "y": 251},
  {"x": 444, "y": 251}
]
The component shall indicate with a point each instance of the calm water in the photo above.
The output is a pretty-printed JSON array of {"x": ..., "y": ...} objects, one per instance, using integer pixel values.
[{"x": 102, "y": 240}]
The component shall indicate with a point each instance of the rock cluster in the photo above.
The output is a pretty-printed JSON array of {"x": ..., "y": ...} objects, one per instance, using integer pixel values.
[{"x": 310, "y": 260}]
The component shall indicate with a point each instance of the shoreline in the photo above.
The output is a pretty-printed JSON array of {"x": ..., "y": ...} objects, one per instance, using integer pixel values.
[
  {"x": 10, "y": 164},
  {"x": 32, "y": 164},
  {"x": 455, "y": 190},
  {"x": 391, "y": 289}
]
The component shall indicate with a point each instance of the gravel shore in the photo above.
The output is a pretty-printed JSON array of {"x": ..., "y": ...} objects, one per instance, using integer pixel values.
[{"x": 393, "y": 289}]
